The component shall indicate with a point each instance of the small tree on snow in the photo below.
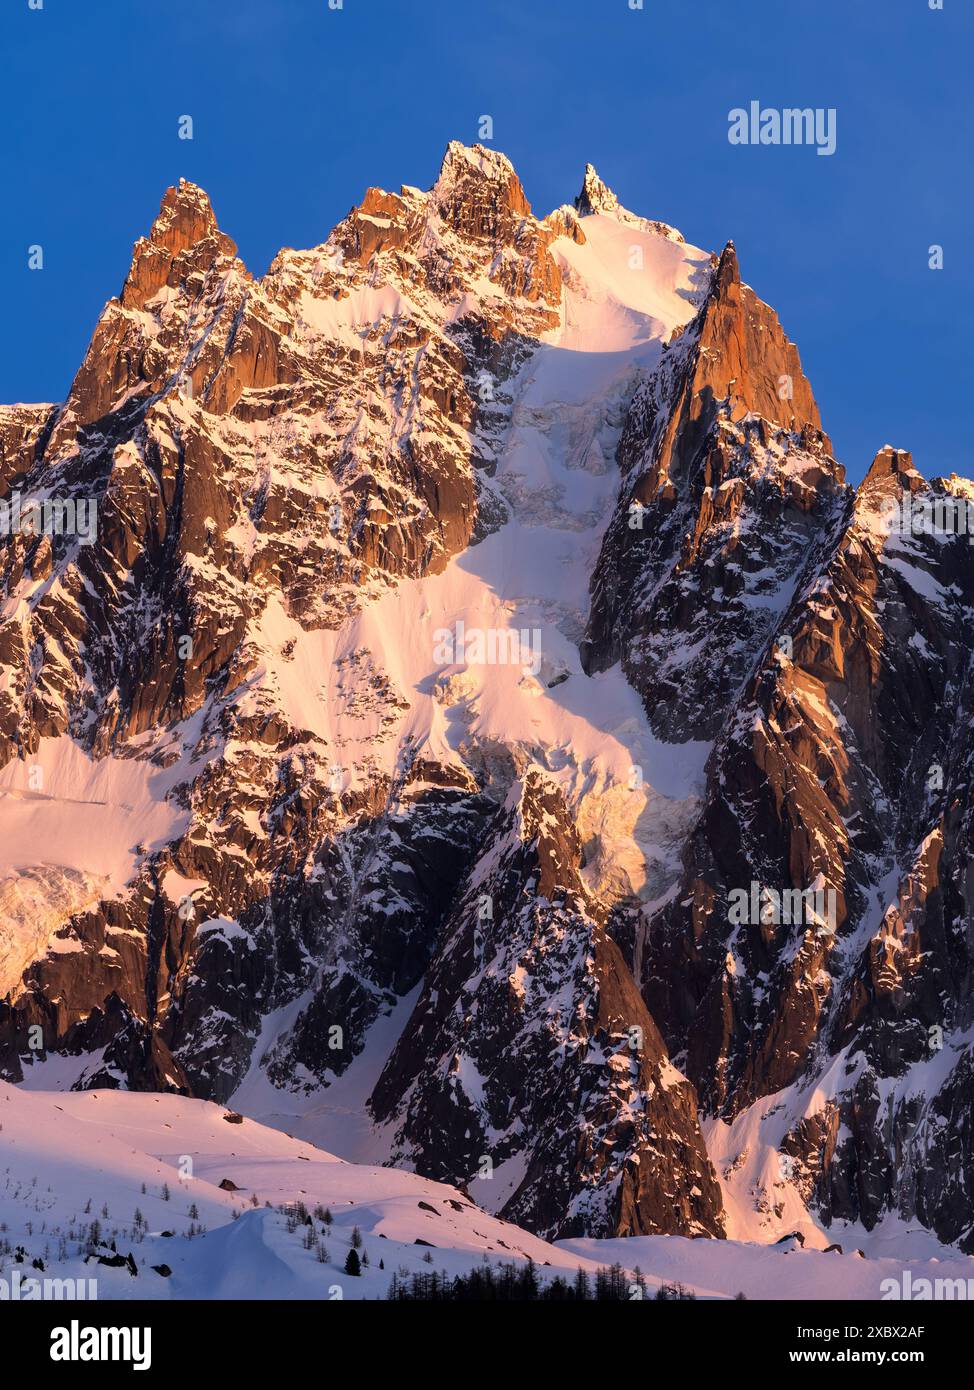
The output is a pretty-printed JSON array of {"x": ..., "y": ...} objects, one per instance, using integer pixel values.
[{"x": 352, "y": 1264}]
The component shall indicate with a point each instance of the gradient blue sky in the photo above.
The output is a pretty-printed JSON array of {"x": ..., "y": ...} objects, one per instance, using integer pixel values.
[{"x": 298, "y": 108}]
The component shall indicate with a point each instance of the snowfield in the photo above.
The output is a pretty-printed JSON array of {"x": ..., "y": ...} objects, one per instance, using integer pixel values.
[
  {"x": 70, "y": 1159},
  {"x": 73, "y": 829}
]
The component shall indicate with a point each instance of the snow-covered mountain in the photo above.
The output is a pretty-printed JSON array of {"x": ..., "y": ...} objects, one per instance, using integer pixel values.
[{"x": 475, "y": 618}]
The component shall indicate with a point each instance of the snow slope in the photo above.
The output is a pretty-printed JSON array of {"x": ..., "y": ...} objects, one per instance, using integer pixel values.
[
  {"x": 66, "y": 1158},
  {"x": 69, "y": 1159},
  {"x": 557, "y": 476},
  {"x": 724, "y": 1268},
  {"x": 73, "y": 830}
]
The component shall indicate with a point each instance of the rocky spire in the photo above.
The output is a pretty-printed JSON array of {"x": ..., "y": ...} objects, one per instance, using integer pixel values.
[
  {"x": 186, "y": 220},
  {"x": 185, "y": 217},
  {"x": 746, "y": 357},
  {"x": 477, "y": 191},
  {"x": 460, "y": 160},
  {"x": 892, "y": 463},
  {"x": 595, "y": 196}
]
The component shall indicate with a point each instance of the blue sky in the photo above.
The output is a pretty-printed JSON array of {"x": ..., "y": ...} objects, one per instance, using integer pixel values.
[{"x": 297, "y": 108}]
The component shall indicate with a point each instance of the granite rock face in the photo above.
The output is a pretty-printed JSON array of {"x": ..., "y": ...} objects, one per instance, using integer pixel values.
[
  {"x": 688, "y": 844},
  {"x": 530, "y": 1051}
]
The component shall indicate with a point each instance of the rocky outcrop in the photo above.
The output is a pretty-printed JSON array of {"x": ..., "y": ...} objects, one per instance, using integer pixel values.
[
  {"x": 727, "y": 482},
  {"x": 596, "y": 199},
  {"x": 530, "y": 1052}
]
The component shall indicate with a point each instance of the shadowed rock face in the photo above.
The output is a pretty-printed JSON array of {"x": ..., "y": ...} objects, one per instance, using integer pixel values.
[
  {"x": 270, "y": 459},
  {"x": 841, "y": 757},
  {"x": 756, "y": 601},
  {"x": 530, "y": 1044}
]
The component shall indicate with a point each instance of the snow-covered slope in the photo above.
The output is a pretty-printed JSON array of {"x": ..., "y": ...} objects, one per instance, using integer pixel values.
[
  {"x": 108, "y": 1173},
  {"x": 75, "y": 1159}
]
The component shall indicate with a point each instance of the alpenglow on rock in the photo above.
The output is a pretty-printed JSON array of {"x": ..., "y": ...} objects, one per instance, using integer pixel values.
[{"x": 476, "y": 616}]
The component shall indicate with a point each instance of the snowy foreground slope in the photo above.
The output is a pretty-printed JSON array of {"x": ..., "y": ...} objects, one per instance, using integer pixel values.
[
  {"x": 74, "y": 1159},
  {"x": 68, "y": 1156},
  {"x": 474, "y": 613}
]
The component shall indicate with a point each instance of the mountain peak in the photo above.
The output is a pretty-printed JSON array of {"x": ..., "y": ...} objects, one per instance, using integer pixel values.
[
  {"x": 889, "y": 459},
  {"x": 344, "y": 526},
  {"x": 595, "y": 196},
  {"x": 727, "y": 275},
  {"x": 186, "y": 219},
  {"x": 891, "y": 467},
  {"x": 477, "y": 190},
  {"x": 459, "y": 159}
]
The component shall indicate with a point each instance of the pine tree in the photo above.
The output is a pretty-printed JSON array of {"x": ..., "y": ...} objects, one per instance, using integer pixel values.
[
  {"x": 528, "y": 1282},
  {"x": 352, "y": 1264}
]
